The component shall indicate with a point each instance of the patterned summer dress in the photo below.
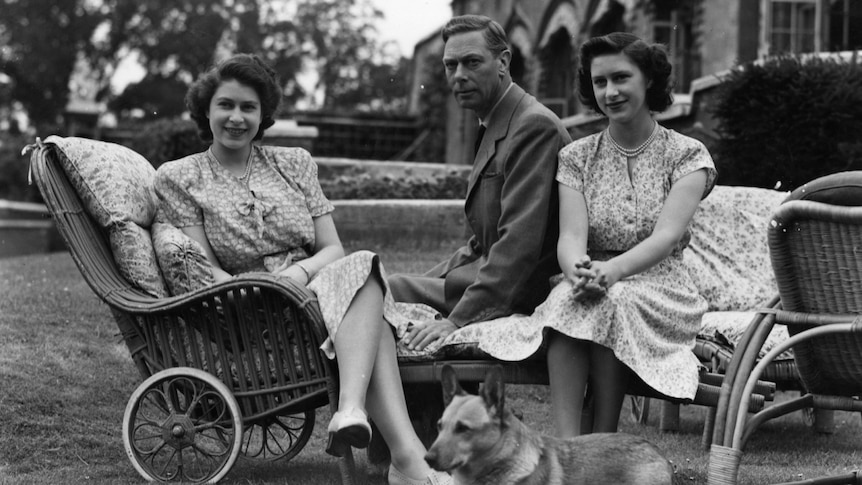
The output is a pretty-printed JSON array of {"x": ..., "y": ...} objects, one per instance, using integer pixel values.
[
  {"x": 258, "y": 223},
  {"x": 649, "y": 320}
]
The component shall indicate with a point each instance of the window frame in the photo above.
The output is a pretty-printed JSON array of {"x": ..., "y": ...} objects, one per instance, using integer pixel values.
[{"x": 767, "y": 28}]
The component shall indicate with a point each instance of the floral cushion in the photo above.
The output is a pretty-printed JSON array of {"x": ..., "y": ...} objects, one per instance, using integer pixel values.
[
  {"x": 116, "y": 187},
  {"x": 728, "y": 256},
  {"x": 132, "y": 248},
  {"x": 114, "y": 182},
  {"x": 184, "y": 265}
]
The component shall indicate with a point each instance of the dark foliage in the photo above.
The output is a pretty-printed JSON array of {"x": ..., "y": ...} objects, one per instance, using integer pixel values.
[
  {"x": 788, "y": 121},
  {"x": 41, "y": 42},
  {"x": 164, "y": 140},
  {"x": 451, "y": 186},
  {"x": 14, "y": 168},
  {"x": 432, "y": 106},
  {"x": 157, "y": 96}
]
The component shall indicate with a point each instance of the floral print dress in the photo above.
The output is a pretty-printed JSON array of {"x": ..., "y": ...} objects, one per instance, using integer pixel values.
[
  {"x": 258, "y": 223},
  {"x": 650, "y": 320}
]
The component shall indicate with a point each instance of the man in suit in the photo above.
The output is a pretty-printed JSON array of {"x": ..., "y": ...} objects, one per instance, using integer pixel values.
[{"x": 511, "y": 203}]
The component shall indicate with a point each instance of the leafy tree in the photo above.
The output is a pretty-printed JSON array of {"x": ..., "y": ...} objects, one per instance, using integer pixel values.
[
  {"x": 374, "y": 84},
  {"x": 42, "y": 41},
  {"x": 172, "y": 38},
  {"x": 157, "y": 96},
  {"x": 432, "y": 104},
  {"x": 176, "y": 40}
]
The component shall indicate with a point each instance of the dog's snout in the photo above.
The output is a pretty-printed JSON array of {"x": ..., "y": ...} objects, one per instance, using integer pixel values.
[{"x": 433, "y": 459}]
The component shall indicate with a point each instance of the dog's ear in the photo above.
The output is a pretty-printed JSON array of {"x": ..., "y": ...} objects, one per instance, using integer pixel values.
[
  {"x": 493, "y": 390},
  {"x": 451, "y": 387}
]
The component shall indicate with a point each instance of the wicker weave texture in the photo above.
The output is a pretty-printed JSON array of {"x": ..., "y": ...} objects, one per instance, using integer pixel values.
[
  {"x": 816, "y": 252},
  {"x": 258, "y": 334}
]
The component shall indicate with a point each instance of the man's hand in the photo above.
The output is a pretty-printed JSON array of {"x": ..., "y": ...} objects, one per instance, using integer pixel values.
[{"x": 426, "y": 333}]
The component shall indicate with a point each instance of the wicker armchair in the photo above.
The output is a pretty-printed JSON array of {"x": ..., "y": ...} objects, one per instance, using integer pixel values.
[
  {"x": 230, "y": 369},
  {"x": 815, "y": 251}
]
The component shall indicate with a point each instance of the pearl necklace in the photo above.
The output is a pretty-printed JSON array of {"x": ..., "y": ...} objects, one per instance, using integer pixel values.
[
  {"x": 633, "y": 152},
  {"x": 247, "y": 172}
]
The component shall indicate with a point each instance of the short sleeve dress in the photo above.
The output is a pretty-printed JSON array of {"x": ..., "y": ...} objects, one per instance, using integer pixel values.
[
  {"x": 258, "y": 223},
  {"x": 650, "y": 320}
]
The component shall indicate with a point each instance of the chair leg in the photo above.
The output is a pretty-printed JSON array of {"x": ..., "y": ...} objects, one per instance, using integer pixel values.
[
  {"x": 669, "y": 417},
  {"x": 823, "y": 420},
  {"x": 708, "y": 428},
  {"x": 347, "y": 467},
  {"x": 723, "y": 465}
]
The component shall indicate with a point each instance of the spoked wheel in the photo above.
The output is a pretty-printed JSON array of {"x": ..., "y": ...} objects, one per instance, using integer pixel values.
[
  {"x": 182, "y": 424},
  {"x": 278, "y": 437}
]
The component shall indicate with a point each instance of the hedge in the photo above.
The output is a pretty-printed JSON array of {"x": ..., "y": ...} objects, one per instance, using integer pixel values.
[
  {"x": 789, "y": 120},
  {"x": 450, "y": 186},
  {"x": 164, "y": 140}
]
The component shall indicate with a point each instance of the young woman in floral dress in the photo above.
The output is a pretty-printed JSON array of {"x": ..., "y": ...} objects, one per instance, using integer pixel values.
[
  {"x": 261, "y": 208},
  {"x": 625, "y": 306}
]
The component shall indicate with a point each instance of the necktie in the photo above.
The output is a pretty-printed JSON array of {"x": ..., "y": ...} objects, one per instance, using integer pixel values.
[{"x": 478, "y": 140}]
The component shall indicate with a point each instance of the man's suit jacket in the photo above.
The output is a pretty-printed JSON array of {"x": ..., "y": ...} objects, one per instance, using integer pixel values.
[{"x": 512, "y": 209}]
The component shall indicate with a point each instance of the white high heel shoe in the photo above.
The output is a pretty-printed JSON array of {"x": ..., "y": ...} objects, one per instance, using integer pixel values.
[{"x": 348, "y": 428}]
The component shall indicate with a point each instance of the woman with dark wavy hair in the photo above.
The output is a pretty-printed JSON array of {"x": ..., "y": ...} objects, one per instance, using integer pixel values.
[
  {"x": 261, "y": 208},
  {"x": 624, "y": 306},
  {"x": 627, "y": 195}
]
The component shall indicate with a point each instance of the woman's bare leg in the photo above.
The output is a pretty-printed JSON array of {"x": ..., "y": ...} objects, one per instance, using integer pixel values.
[
  {"x": 388, "y": 409},
  {"x": 611, "y": 378},
  {"x": 568, "y": 370},
  {"x": 369, "y": 379},
  {"x": 356, "y": 345}
]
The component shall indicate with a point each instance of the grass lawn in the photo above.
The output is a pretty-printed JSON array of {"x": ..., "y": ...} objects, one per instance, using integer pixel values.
[{"x": 65, "y": 377}]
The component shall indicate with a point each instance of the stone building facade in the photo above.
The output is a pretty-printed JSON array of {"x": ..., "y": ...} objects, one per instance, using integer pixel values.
[{"x": 704, "y": 37}]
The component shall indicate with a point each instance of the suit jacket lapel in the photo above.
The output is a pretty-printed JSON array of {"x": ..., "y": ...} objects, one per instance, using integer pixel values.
[{"x": 497, "y": 129}]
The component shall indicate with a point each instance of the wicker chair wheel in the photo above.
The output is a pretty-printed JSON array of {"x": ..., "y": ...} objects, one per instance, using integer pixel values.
[
  {"x": 182, "y": 424},
  {"x": 277, "y": 437}
]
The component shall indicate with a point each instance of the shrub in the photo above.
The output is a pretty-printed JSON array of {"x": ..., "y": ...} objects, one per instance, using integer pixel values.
[
  {"x": 364, "y": 186},
  {"x": 166, "y": 139},
  {"x": 788, "y": 121}
]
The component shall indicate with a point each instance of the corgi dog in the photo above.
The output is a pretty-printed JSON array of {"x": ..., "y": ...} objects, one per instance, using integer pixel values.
[{"x": 481, "y": 442}]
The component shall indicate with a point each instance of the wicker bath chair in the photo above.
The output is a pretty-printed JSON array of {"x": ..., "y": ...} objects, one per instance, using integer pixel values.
[
  {"x": 815, "y": 249},
  {"x": 229, "y": 370}
]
